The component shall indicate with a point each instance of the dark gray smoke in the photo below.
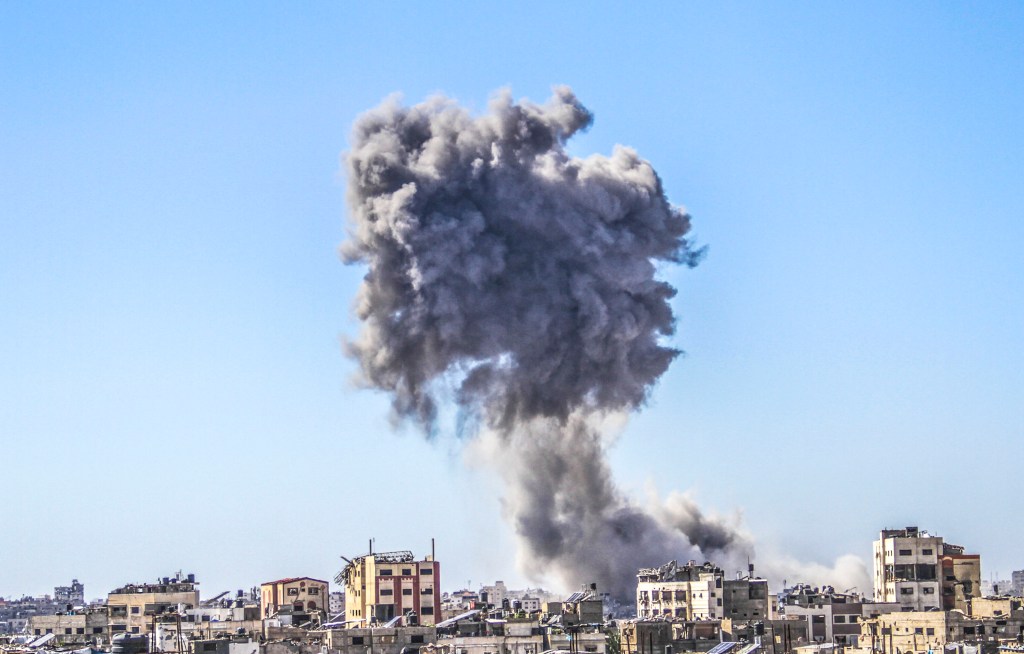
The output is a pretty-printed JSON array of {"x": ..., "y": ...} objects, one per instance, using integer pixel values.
[{"x": 524, "y": 278}]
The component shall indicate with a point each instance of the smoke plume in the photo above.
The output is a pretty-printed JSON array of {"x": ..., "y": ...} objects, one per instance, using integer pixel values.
[{"x": 523, "y": 279}]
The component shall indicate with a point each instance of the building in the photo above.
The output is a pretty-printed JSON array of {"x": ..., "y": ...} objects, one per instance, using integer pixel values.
[
  {"x": 82, "y": 627},
  {"x": 961, "y": 577},
  {"x": 689, "y": 592},
  {"x": 746, "y": 598},
  {"x": 494, "y": 595},
  {"x": 382, "y": 586},
  {"x": 336, "y": 603},
  {"x": 906, "y": 563},
  {"x": 1017, "y": 582},
  {"x": 73, "y": 595},
  {"x": 135, "y": 608},
  {"x": 379, "y": 640},
  {"x": 923, "y": 631},
  {"x": 304, "y": 595},
  {"x": 830, "y": 617}
]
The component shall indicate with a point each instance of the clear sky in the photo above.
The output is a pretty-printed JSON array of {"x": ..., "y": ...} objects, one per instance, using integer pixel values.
[{"x": 172, "y": 390}]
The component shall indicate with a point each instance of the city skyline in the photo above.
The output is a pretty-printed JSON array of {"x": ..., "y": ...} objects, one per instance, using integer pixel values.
[{"x": 173, "y": 390}]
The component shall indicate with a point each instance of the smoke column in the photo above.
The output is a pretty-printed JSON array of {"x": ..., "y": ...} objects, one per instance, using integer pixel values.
[{"x": 521, "y": 281}]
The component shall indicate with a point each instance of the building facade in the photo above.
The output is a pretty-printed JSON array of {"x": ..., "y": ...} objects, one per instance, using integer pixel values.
[
  {"x": 382, "y": 586},
  {"x": 135, "y": 608},
  {"x": 906, "y": 563},
  {"x": 298, "y": 594},
  {"x": 687, "y": 592}
]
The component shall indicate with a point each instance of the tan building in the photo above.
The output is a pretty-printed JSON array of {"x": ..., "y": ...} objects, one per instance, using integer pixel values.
[
  {"x": 688, "y": 592},
  {"x": 961, "y": 578},
  {"x": 78, "y": 628},
  {"x": 906, "y": 563},
  {"x": 135, "y": 608},
  {"x": 298, "y": 594},
  {"x": 382, "y": 586},
  {"x": 917, "y": 632}
]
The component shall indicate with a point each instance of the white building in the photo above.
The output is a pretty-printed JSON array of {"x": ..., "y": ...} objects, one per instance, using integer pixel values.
[
  {"x": 689, "y": 592},
  {"x": 907, "y": 569}
]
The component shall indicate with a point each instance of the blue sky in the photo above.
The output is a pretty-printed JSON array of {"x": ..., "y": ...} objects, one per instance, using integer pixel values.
[{"x": 172, "y": 389}]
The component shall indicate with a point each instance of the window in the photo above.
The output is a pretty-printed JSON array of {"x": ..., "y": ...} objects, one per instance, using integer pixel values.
[
  {"x": 930, "y": 631},
  {"x": 385, "y": 572},
  {"x": 135, "y": 630},
  {"x": 406, "y": 572},
  {"x": 426, "y": 610},
  {"x": 426, "y": 591},
  {"x": 906, "y": 552},
  {"x": 906, "y": 591},
  {"x": 417, "y": 638},
  {"x": 293, "y": 591},
  {"x": 80, "y": 630},
  {"x": 928, "y": 590},
  {"x": 426, "y": 571},
  {"x": 926, "y": 552},
  {"x": 719, "y": 601},
  {"x": 818, "y": 619},
  {"x": 407, "y": 591},
  {"x": 49, "y": 631},
  {"x": 839, "y": 619},
  {"x": 135, "y": 610},
  {"x": 918, "y": 630},
  {"x": 313, "y": 590},
  {"x": 386, "y": 591},
  {"x": 718, "y": 582},
  {"x": 854, "y": 618},
  {"x": 209, "y": 647},
  {"x": 357, "y": 640},
  {"x": 67, "y": 631}
]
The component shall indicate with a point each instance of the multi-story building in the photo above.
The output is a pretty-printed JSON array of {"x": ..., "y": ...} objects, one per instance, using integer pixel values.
[
  {"x": 907, "y": 568},
  {"x": 746, "y": 599},
  {"x": 73, "y": 595},
  {"x": 922, "y": 631},
  {"x": 134, "y": 608},
  {"x": 688, "y": 592},
  {"x": 336, "y": 603},
  {"x": 382, "y": 586},
  {"x": 1017, "y": 582},
  {"x": 961, "y": 577},
  {"x": 494, "y": 595},
  {"x": 831, "y": 617},
  {"x": 75, "y": 628},
  {"x": 298, "y": 594}
]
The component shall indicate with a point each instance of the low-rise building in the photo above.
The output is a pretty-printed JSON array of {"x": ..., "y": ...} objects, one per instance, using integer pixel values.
[
  {"x": 682, "y": 592},
  {"x": 922, "y": 631},
  {"x": 384, "y": 585},
  {"x": 134, "y": 608},
  {"x": 301, "y": 594},
  {"x": 71, "y": 628}
]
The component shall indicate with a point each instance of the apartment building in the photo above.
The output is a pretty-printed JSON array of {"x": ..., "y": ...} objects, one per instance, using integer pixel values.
[
  {"x": 906, "y": 563},
  {"x": 684, "y": 592},
  {"x": 298, "y": 594},
  {"x": 385, "y": 585},
  {"x": 133, "y": 608},
  {"x": 961, "y": 578}
]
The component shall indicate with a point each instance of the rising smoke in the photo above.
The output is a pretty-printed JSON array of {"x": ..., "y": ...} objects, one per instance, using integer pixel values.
[{"x": 524, "y": 279}]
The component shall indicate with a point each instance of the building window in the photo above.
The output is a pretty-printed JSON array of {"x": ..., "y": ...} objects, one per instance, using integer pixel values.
[
  {"x": 135, "y": 610},
  {"x": 135, "y": 630},
  {"x": 80, "y": 630},
  {"x": 839, "y": 619},
  {"x": 427, "y": 610},
  {"x": 930, "y": 631},
  {"x": 426, "y": 591},
  {"x": 97, "y": 630},
  {"x": 407, "y": 591},
  {"x": 385, "y": 572},
  {"x": 928, "y": 590},
  {"x": 906, "y": 591},
  {"x": 386, "y": 591},
  {"x": 417, "y": 638},
  {"x": 209, "y": 647},
  {"x": 357, "y": 640},
  {"x": 313, "y": 590},
  {"x": 906, "y": 552},
  {"x": 406, "y": 572},
  {"x": 67, "y": 631},
  {"x": 926, "y": 552},
  {"x": 918, "y": 630},
  {"x": 293, "y": 591},
  {"x": 426, "y": 571},
  {"x": 854, "y": 618}
]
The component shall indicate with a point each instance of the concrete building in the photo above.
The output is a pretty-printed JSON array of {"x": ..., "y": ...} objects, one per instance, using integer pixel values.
[
  {"x": 919, "y": 632},
  {"x": 961, "y": 577},
  {"x": 74, "y": 628},
  {"x": 299, "y": 594},
  {"x": 746, "y": 599},
  {"x": 995, "y": 607},
  {"x": 1017, "y": 582},
  {"x": 379, "y": 640},
  {"x": 495, "y": 594},
  {"x": 656, "y": 636},
  {"x": 688, "y": 592},
  {"x": 906, "y": 563},
  {"x": 336, "y": 603},
  {"x": 73, "y": 595},
  {"x": 134, "y": 608},
  {"x": 831, "y": 617},
  {"x": 385, "y": 585}
]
